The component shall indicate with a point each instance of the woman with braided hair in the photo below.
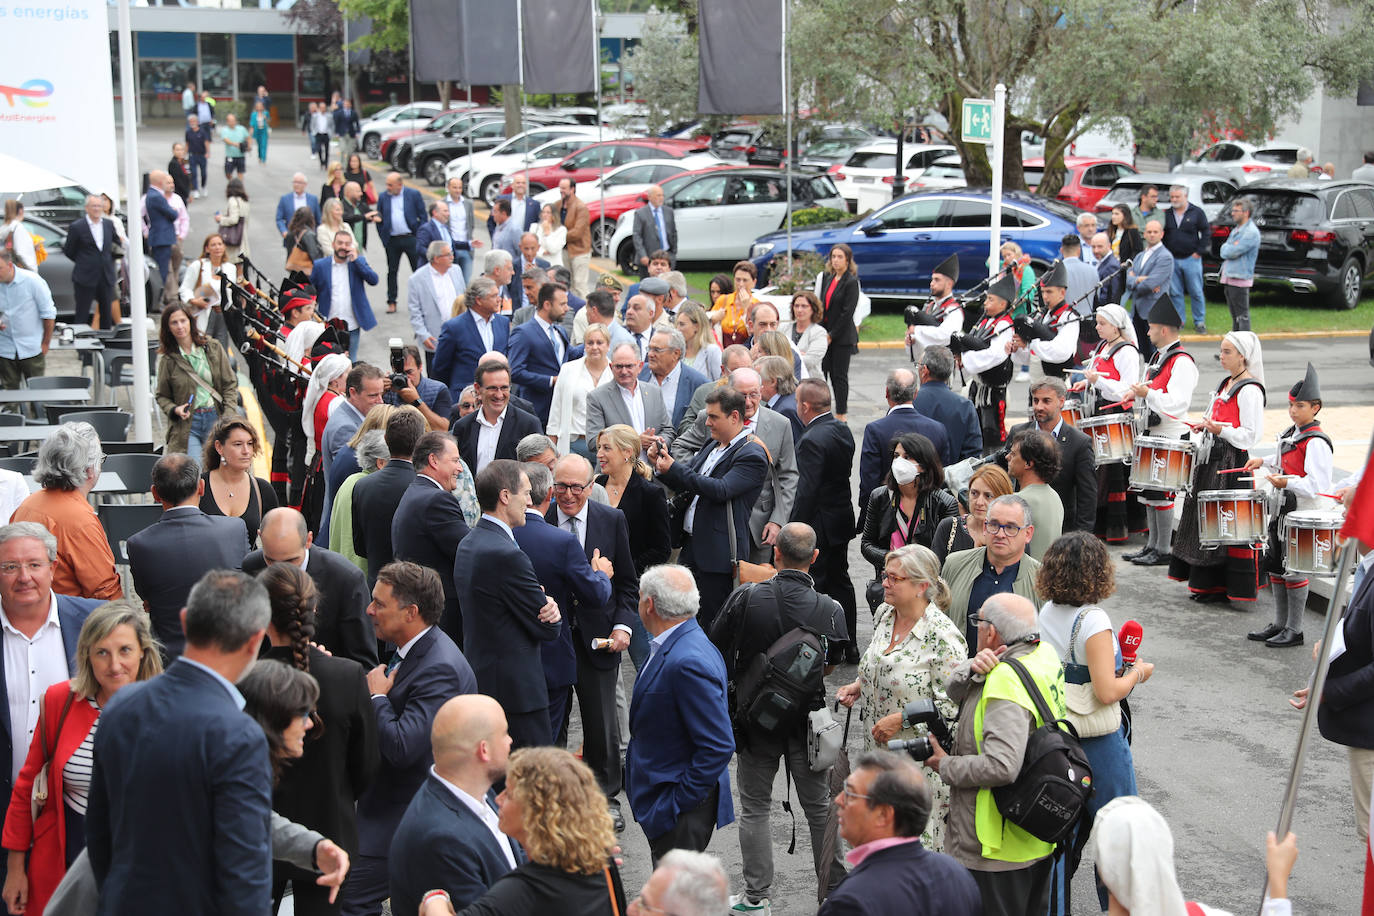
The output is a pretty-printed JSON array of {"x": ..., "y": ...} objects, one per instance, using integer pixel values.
[{"x": 321, "y": 788}]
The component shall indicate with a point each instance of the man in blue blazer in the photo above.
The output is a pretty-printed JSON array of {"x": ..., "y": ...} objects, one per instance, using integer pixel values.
[
  {"x": 676, "y": 380},
  {"x": 1152, "y": 272},
  {"x": 524, "y": 209},
  {"x": 429, "y": 525},
  {"x": 162, "y": 219},
  {"x": 875, "y": 455},
  {"x": 428, "y": 300},
  {"x": 953, "y": 411},
  {"x": 346, "y": 265},
  {"x": 523, "y": 258},
  {"x": 221, "y": 542},
  {"x": 464, "y": 339},
  {"x": 677, "y": 768},
  {"x": 26, "y": 598},
  {"x": 199, "y": 805},
  {"x": 288, "y": 204},
  {"x": 402, "y": 210},
  {"x": 506, "y": 616},
  {"x": 445, "y": 839},
  {"x": 569, "y": 577},
  {"x": 725, "y": 478},
  {"x": 538, "y": 350},
  {"x": 494, "y": 409},
  {"x": 434, "y": 229},
  {"x": 426, "y": 671}
]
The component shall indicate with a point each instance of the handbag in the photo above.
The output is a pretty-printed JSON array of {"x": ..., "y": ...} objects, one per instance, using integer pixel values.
[
  {"x": 742, "y": 570},
  {"x": 370, "y": 193},
  {"x": 825, "y": 737},
  {"x": 232, "y": 235},
  {"x": 299, "y": 258},
  {"x": 39, "y": 796},
  {"x": 1091, "y": 718}
]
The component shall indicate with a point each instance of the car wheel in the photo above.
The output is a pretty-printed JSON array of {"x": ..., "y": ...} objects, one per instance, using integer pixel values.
[
  {"x": 625, "y": 257},
  {"x": 601, "y": 237},
  {"x": 372, "y": 145},
  {"x": 433, "y": 170},
  {"x": 1346, "y": 293},
  {"x": 491, "y": 189}
]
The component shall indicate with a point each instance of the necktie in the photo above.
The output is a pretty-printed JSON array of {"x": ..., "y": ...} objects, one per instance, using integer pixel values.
[
  {"x": 553, "y": 339},
  {"x": 394, "y": 663},
  {"x": 662, "y": 230},
  {"x": 639, "y": 343},
  {"x": 572, "y": 526}
]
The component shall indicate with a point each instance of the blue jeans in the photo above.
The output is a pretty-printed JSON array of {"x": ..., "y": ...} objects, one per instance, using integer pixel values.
[
  {"x": 1188, "y": 274},
  {"x": 464, "y": 260},
  {"x": 203, "y": 422},
  {"x": 199, "y": 172},
  {"x": 354, "y": 336}
]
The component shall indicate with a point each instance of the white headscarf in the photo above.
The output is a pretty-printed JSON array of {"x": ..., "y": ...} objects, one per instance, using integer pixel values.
[
  {"x": 1116, "y": 316},
  {"x": 325, "y": 371},
  {"x": 1248, "y": 344},
  {"x": 301, "y": 339},
  {"x": 1133, "y": 849}
]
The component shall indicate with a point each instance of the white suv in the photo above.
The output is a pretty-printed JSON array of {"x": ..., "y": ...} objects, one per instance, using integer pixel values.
[{"x": 876, "y": 163}]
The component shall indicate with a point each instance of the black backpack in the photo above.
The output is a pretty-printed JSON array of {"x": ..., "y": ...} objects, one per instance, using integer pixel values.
[
  {"x": 1050, "y": 795},
  {"x": 779, "y": 688}
]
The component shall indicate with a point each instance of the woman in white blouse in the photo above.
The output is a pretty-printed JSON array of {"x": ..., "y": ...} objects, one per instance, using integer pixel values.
[
  {"x": 551, "y": 234},
  {"x": 18, "y": 239},
  {"x": 806, "y": 331},
  {"x": 1113, "y": 371},
  {"x": 331, "y": 223},
  {"x": 205, "y": 272},
  {"x": 568, "y": 416},
  {"x": 703, "y": 353}
]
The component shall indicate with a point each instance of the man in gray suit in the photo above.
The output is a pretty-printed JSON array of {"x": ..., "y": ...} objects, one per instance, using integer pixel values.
[
  {"x": 1152, "y": 271},
  {"x": 460, "y": 226},
  {"x": 628, "y": 400},
  {"x": 655, "y": 230},
  {"x": 773, "y": 508},
  {"x": 430, "y": 296}
]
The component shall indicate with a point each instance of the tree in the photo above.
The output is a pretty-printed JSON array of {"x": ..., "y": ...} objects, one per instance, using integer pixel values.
[{"x": 664, "y": 66}]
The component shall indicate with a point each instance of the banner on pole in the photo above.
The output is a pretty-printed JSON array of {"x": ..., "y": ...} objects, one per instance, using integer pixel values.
[
  {"x": 56, "y": 96},
  {"x": 740, "y": 59},
  {"x": 560, "y": 46},
  {"x": 488, "y": 42},
  {"x": 435, "y": 36},
  {"x": 355, "y": 29}
]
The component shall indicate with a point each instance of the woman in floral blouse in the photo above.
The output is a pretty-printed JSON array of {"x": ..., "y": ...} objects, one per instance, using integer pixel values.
[{"x": 914, "y": 651}]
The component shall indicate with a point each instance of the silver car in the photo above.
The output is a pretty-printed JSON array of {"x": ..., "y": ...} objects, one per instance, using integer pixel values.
[
  {"x": 1243, "y": 162},
  {"x": 1210, "y": 191}
]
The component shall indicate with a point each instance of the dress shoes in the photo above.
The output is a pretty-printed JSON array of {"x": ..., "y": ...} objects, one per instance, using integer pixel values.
[
  {"x": 1130, "y": 557},
  {"x": 1267, "y": 633},
  {"x": 1152, "y": 558},
  {"x": 1209, "y": 597},
  {"x": 617, "y": 819},
  {"x": 1284, "y": 639}
]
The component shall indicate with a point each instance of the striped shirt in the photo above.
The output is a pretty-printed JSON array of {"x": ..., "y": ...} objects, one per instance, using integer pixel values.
[{"x": 76, "y": 774}]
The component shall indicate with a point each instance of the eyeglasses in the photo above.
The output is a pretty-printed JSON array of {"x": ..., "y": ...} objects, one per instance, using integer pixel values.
[
  {"x": 467, "y": 405},
  {"x": 574, "y": 488},
  {"x": 850, "y": 794},
  {"x": 640, "y": 904},
  {"x": 976, "y": 619},
  {"x": 32, "y": 568},
  {"x": 496, "y": 388},
  {"x": 624, "y": 367},
  {"x": 992, "y": 527},
  {"x": 890, "y": 577},
  {"x": 654, "y": 349}
]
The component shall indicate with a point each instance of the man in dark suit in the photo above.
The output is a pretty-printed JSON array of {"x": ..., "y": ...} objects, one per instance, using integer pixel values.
[
  {"x": 200, "y": 804},
  {"x": 429, "y": 524},
  {"x": 448, "y": 837},
  {"x": 538, "y": 350},
  {"x": 288, "y": 204},
  {"x": 569, "y": 578},
  {"x": 902, "y": 417},
  {"x": 341, "y": 622},
  {"x": 655, "y": 229},
  {"x": 507, "y": 616},
  {"x": 676, "y": 380},
  {"x": 953, "y": 411},
  {"x": 90, "y": 246},
  {"x": 525, "y": 257},
  {"x": 162, "y": 219},
  {"x": 327, "y": 271},
  {"x": 494, "y": 428},
  {"x": 170, "y": 556},
  {"x": 825, "y": 457},
  {"x": 677, "y": 769},
  {"x": 779, "y": 390},
  {"x": 725, "y": 479},
  {"x": 523, "y": 209},
  {"x": 377, "y": 495},
  {"x": 605, "y": 535},
  {"x": 1076, "y": 482},
  {"x": 464, "y": 339},
  {"x": 434, "y": 229},
  {"x": 426, "y": 672},
  {"x": 26, "y": 597},
  {"x": 402, "y": 210}
]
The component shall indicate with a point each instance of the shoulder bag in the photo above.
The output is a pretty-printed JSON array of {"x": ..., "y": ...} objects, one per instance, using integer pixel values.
[
  {"x": 233, "y": 234},
  {"x": 39, "y": 796},
  {"x": 1091, "y": 718}
]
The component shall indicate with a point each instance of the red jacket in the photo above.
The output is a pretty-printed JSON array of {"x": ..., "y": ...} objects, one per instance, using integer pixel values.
[{"x": 48, "y": 859}]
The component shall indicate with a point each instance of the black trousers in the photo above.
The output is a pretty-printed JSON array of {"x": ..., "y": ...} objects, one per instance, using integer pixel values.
[
  {"x": 694, "y": 828},
  {"x": 309, "y": 899},
  {"x": 835, "y": 367},
  {"x": 102, "y": 293},
  {"x": 367, "y": 885},
  {"x": 288, "y": 452},
  {"x": 831, "y": 574},
  {"x": 1021, "y": 892},
  {"x": 600, "y": 727},
  {"x": 529, "y": 729},
  {"x": 397, "y": 245}
]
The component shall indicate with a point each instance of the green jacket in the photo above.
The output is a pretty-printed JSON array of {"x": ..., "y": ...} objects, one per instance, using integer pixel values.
[
  {"x": 176, "y": 382},
  {"x": 964, "y": 566}
]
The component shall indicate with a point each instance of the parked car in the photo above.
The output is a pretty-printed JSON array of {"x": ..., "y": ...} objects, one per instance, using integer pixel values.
[
  {"x": 596, "y": 159},
  {"x": 56, "y": 269},
  {"x": 1208, "y": 190},
  {"x": 720, "y": 211},
  {"x": 391, "y": 140},
  {"x": 428, "y": 157},
  {"x": 1086, "y": 178},
  {"x": 822, "y": 154},
  {"x": 1316, "y": 237},
  {"x": 1244, "y": 162},
  {"x": 45, "y": 194},
  {"x": 396, "y": 117},
  {"x": 876, "y": 163},
  {"x": 898, "y": 246},
  {"x": 483, "y": 173},
  {"x": 766, "y": 144},
  {"x": 943, "y": 174}
]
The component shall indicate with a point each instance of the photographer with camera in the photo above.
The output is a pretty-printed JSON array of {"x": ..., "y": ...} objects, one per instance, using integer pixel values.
[
  {"x": 997, "y": 715},
  {"x": 766, "y": 627},
  {"x": 407, "y": 384}
]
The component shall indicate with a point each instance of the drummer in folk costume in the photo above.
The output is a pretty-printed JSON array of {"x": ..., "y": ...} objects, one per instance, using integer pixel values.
[
  {"x": 1052, "y": 336},
  {"x": 1112, "y": 372},
  {"x": 1170, "y": 380},
  {"x": 984, "y": 353},
  {"x": 1231, "y": 425},
  {"x": 942, "y": 316},
  {"x": 1302, "y": 471}
]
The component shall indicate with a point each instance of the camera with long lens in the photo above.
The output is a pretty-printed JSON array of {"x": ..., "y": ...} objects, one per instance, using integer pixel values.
[
  {"x": 399, "y": 381},
  {"x": 922, "y": 712}
]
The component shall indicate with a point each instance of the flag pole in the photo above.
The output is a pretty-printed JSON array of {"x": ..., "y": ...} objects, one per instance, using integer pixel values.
[{"x": 787, "y": 111}]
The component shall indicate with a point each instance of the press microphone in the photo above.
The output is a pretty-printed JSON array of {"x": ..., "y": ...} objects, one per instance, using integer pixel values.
[{"x": 1129, "y": 640}]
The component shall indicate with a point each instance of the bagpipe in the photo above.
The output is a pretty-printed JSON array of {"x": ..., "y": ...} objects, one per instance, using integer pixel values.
[{"x": 1030, "y": 328}]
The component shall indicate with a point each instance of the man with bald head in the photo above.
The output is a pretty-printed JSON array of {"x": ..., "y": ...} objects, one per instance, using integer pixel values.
[
  {"x": 298, "y": 197},
  {"x": 655, "y": 230},
  {"x": 162, "y": 220},
  {"x": 341, "y": 623},
  {"x": 449, "y": 838}
]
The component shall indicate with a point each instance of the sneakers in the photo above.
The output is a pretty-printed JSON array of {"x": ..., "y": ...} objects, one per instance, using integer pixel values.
[
  {"x": 740, "y": 903},
  {"x": 1022, "y": 376}
]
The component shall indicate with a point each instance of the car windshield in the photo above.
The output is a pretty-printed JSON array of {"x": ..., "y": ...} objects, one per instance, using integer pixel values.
[
  {"x": 828, "y": 147},
  {"x": 732, "y": 138},
  {"x": 1286, "y": 208},
  {"x": 885, "y": 161},
  {"x": 1285, "y": 156},
  {"x": 1059, "y": 208},
  {"x": 943, "y": 171},
  {"x": 1123, "y": 193}
]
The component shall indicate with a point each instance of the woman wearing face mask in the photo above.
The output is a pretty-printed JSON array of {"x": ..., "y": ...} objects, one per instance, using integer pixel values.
[
  {"x": 955, "y": 534},
  {"x": 907, "y": 508}
]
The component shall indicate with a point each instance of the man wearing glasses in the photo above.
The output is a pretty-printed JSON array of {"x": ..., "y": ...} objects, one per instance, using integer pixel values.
[
  {"x": 1002, "y": 566},
  {"x": 430, "y": 295},
  {"x": 496, "y": 427},
  {"x": 626, "y": 399},
  {"x": 464, "y": 339}
]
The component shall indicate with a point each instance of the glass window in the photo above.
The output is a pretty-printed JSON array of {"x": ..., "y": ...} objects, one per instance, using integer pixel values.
[
  {"x": 1284, "y": 156},
  {"x": 1229, "y": 152},
  {"x": 1273, "y": 208},
  {"x": 1034, "y": 176},
  {"x": 49, "y": 235},
  {"x": 1099, "y": 176},
  {"x": 925, "y": 157},
  {"x": 666, "y": 171},
  {"x": 913, "y": 214},
  {"x": 884, "y": 161},
  {"x": 1216, "y": 192},
  {"x": 1364, "y": 203},
  {"x": 160, "y": 83},
  {"x": 975, "y": 214},
  {"x": 1345, "y": 207},
  {"x": 640, "y": 174},
  {"x": 68, "y": 196},
  {"x": 755, "y": 189},
  {"x": 822, "y": 188},
  {"x": 705, "y": 192}
]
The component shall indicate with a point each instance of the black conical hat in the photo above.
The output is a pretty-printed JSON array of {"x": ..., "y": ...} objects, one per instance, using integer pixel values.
[
  {"x": 1307, "y": 389},
  {"x": 1163, "y": 312},
  {"x": 949, "y": 267},
  {"x": 1057, "y": 276},
  {"x": 1005, "y": 287}
]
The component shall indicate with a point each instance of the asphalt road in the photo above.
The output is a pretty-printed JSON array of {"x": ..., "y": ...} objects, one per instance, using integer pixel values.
[{"x": 1214, "y": 734}]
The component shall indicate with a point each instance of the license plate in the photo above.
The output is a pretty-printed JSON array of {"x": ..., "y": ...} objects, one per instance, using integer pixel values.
[
  {"x": 860, "y": 179},
  {"x": 1273, "y": 237}
]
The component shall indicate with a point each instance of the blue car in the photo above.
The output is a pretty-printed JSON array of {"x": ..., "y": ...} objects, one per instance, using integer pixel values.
[{"x": 898, "y": 246}]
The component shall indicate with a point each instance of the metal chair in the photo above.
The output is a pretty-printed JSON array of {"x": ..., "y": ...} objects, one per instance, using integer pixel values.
[
  {"x": 55, "y": 412},
  {"x": 122, "y": 522},
  {"x": 110, "y": 425},
  {"x": 49, "y": 382},
  {"x": 135, "y": 471},
  {"x": 130, "y": 448},
  {"x": 20, "y": 465}
]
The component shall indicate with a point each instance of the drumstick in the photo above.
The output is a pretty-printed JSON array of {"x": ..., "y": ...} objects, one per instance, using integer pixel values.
[
  {"x": 1232, "y": 470},
  {"x": 1125, "y": 403},
  {"x": 1189, "y": 423},
  {"x": 1250, "y": 478}
]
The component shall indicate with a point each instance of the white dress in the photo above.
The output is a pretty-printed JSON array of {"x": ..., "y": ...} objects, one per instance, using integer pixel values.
[{"x": 568, "y": 415}]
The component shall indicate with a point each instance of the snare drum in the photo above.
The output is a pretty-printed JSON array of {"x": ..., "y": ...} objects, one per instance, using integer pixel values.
[
  {"x": 1311, "y": 541},
  {"x": 1232, "y": 518},
  {"x": 1112, "y": 438},
  {"x": 1162, "y": 464},
  {"x": 1072, "y": 413}
]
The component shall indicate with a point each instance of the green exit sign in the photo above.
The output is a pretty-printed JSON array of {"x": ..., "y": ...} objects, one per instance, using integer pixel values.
[{"x": 977, "y": 121}]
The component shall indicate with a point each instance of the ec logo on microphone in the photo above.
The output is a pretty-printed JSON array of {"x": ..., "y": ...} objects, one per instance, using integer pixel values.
[{"x": 33, "y": 93}]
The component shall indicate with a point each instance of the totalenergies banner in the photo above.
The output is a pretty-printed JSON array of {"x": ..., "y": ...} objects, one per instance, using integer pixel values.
[{"x": 56, "y": 103}]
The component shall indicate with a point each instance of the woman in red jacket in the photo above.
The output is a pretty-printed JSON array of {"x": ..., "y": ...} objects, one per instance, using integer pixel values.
[{"x": 115, "y": 649}]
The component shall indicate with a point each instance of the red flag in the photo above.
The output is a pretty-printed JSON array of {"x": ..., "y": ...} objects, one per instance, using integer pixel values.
[{"x": 1359, "y": 519}]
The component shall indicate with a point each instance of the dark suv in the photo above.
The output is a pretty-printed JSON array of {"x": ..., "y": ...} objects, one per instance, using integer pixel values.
[{"x": 1315, "y": 237}]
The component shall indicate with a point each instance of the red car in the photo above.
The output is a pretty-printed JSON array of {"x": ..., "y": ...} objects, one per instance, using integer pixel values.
[
  {"x": 603, "y": 225},
  {"x": 1086, "y": 181},
  {"x": 591, "y": 161}
]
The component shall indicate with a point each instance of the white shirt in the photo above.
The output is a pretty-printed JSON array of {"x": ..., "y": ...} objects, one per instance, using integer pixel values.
[
  {"x": 546, "y": 329},
  {"x": 31, "y": 667},
  {"x": 565, "y": 522},
  {"x": 503, "y": 526},
  {"x": 484, "y": 812},
  {"x": 401, "y": 651},
  {"x": 457, "y": 220},
  {"x": 668, "y": 386},
  {"x": 517, "y": 210},
  {"x": 443, "y": 286},
  {"x": 484, "y": 331},
  {"x": 1085, "y": 253},
  {"x": 397, "y": 214},
  {"x": 657, "y": 642},
  {"x": 487, "y": 436},
  {"x": 340, "y": 296},
  {"x": 97, "y": 232},
  {"x": 297, "y": 201},
  {"x": 712, "y": 460},
  {"x": 634, "y": 403}
]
